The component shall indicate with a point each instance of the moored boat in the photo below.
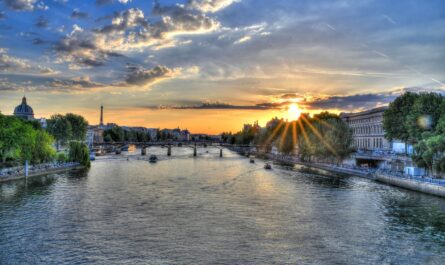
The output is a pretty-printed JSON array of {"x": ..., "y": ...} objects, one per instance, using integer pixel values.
[{"x": 153, "y": 159}]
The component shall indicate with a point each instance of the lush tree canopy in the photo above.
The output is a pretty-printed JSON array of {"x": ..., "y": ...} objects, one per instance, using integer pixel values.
[
  {"x": 419, "y": 119},
  {"x": 79, "y": 126},
  {"x": 59, "y": 127},
  {"x": 78, "y": 152},
  {"x": 21, "y": 140}
]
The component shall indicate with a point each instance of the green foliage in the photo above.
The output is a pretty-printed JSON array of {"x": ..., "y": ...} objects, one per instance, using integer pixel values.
[
  {"x": 10, "y": 137},
  {"x": 115, "y": 134},
  {"x": 20, "y": 141},
  {"x": 78, "y": 152},
  {"x": 430, "y": 153},
  {"x": 135, "y": 136},
  {"x": 325, "y": 136},
  {"x": 62, "y": 157},
  {"x": 424, "y": 115},
  {"x": 419, "y": 119},
  {"x": 42, "y": 150},
  {"x": 59, "y": 127},
  {"x": 395, "y": 117},
  {"x": 79, "y": 126}
]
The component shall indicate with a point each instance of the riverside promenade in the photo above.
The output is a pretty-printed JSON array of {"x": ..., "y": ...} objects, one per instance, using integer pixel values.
[
  {"x": 15, "y": 173},
  {"x": 426, "y": 185}
]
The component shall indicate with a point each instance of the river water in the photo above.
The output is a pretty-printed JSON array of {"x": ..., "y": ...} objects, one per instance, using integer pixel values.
[{"x": 211, "y": 210}]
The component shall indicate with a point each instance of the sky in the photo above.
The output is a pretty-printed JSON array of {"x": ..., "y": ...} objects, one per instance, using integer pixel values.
[{"x": 213, "y": 65}]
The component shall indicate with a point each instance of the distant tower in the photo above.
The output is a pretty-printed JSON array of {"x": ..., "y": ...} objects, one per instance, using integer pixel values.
[{"x": 101, "y": 115}]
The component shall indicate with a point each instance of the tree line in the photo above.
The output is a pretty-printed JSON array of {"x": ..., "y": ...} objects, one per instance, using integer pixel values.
[
  {"x": 324, "y": 137},
  {"x": 22, "y": 140}
]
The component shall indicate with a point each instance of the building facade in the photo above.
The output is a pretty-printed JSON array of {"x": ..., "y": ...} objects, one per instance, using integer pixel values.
[{"x": 367, "y": 128}]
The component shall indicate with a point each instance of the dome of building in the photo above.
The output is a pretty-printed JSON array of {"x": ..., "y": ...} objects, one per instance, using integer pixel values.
[{"x": 24, "y": 110}]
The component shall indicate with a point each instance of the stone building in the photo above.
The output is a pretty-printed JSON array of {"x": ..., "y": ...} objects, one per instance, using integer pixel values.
[{"x": 367, "y": 128}]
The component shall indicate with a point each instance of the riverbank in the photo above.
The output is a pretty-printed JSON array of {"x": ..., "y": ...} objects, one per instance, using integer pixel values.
[
  {"x": 424, "y": 185},
  {"x": 18, "y": 173}
]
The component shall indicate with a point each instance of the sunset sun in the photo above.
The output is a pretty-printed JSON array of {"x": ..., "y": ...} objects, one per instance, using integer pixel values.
[{"x": 293, "y": 112}]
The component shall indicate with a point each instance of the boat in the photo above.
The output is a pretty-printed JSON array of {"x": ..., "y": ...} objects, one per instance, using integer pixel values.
[
  {"x": 267, "y": 166},
  {"x": 153, "y": 159}
]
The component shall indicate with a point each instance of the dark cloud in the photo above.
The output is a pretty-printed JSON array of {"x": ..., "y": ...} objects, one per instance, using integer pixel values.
[
  {"x": 81, "y": 48},
  {"x": 350, "y": 102},
  {"x": 103, "y": 2},
  {"x": 42, "y": 22},
  {"x": 138, "y": 76},
  {"x": 78, "y": 84},
  {"x": 289, "y": 96},
  {"x": 38, "y": 41},
  {"x": 79, "y": 14},
  {"x": 25, "y": 5},
  {"x": 222, "y": 106}
]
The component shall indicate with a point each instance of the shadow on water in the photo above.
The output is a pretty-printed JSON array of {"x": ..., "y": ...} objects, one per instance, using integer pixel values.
[
  {"x": 416, "y": 213},
  {"x": 319, "y": 177},
  {"x": 35, "y": 186}
]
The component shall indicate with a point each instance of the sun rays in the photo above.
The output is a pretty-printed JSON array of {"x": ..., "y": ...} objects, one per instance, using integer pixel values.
[{"x": 301, "y": 126}]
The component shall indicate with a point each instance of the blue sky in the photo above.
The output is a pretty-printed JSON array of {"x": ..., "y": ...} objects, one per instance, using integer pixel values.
[{"x": 168, "y": 63}]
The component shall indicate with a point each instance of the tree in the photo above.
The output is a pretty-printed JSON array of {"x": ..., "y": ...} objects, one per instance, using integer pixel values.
[
  {"x": 78, "y": 152},
  {"x": 79, "y": 126},
  {"x": 395, "y": 117},
  {"x": 21, "y": 141},
  {"x": 424, "y": 115},
  {"x": 10, "y": 137},
  {"x": 42, "y": 150},
  {"x": 116, "y": 134},
  {"x": 59, "y": 127},
  {"x": 325, "y": 136},
  {"x": 339, "y": 137},
  {"x": 430, "y": 153}
]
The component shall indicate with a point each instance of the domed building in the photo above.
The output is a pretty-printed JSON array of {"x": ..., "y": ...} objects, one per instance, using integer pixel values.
[{"x": 24, "y": 111}]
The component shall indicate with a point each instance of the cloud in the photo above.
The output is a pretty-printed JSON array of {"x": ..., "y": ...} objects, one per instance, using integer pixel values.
[
  {"x": 103, "y": 2},
  {"x": 79, "y": 14},
  {"x": 76, "y": 84},
  {"x": 41, "y": 22},
  {"x": 25, "y": 5},
  {"x": 243, "y": 39},
  {"x": 138, "y": 76},
  {"x": 130, "y": 29},
  {"x": 209, "y": 5},
  {"x": 83, "y": 49},
  {"x": 350, "y": 102},
  {"x": 106, "y": 2},
  {"x": 222, "y": 106},
  {"x": 11, "y": 64},
  {"x": 125, "y": 20}
]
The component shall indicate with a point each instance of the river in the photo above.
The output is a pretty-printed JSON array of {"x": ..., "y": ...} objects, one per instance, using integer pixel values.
[{"x": 212, "y": 210}]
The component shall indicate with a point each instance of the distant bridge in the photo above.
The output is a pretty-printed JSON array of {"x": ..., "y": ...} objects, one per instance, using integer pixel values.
[{"x": 119, "y": 146}]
